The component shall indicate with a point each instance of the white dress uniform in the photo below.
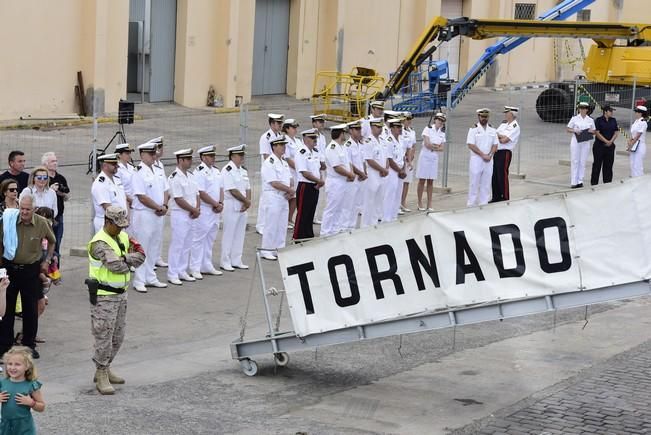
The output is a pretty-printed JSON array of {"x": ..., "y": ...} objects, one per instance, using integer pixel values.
[
  {"x": 265, "y": 148},
  {"x": 159, "y": 169},
  {"x": 409, "y": 141},
  {"x": 512, "y": 130},
  {"x": 106, "y": 190},
  {"x": 428, "y": 160},
  {"x": 336, "y": 189},
  {"x": 393, "y": 190},
  {"x": 146, "y": 224},
  {"x": 276, "y": 206},
  {"x": 208, "y": 180},
  {"x": 234, "y": 219},
  {"x": 636, "y": 159},
  {"x": 182, "y": 185},
  {"x": 480, "y": 171},
  {"x": 373, "y": 204},
  {"x": 579, "y": 150},
  {"x": 354, "y": 206},
  {"x": 292, "y": 147},
  {"x": 125, "y": 172}
]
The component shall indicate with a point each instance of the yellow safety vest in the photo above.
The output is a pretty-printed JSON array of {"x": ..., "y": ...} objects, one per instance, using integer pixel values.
[{"x": 96, "y": 268}]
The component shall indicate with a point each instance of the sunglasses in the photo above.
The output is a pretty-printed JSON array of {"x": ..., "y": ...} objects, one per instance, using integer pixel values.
[
  {"x": 41, "y": 177},
  {"x": 12, "y": 189}
]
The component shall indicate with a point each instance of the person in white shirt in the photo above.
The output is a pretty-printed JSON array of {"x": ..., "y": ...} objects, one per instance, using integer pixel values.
[
  {"x": 107, "y": 189},
  {"x": 159, "y": 169},
  {"x": 409, "y": 142},
  {"x": 150, "y": 197},
  {"x": 637, "y": 143},
  {"x": 237, "y": 200},
  {"x": 508, "y": 135},
  {"x": 310, "y": 182},
  {"x": 206, "y": 226},
  {"x": 396, "y": 156},
  {"x": 482, "y": 142},
  {"x": 353, "y": 207},
  {"x": 126, "y": 169},
  {"x": 374, "y": 152},
  {"x": 185, "y": 206},
  {"x": 318, "y": 122},
  {"x": 290, "y": 128},
  {"x": 339, "y": 174},
  {"x": 275, "y": 126},
  {"x": 376, "y": 109},
  {"x": 278, "y": 190},
  {"x": 580, "y": 124},
  {"x": 428, "y": 159}
]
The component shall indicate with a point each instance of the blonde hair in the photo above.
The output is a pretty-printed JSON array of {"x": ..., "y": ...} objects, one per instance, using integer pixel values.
[
  {"x": 26, "y": 353},
  {"x": 35, "y": 171}
]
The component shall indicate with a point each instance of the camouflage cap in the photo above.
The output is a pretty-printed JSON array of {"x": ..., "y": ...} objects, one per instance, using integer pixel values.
[{"x": 117, "y": 215}]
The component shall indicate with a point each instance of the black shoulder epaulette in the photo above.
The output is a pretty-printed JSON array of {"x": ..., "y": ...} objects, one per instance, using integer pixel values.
[
  {"x": 515, "y": 124},
  {"x": 367, "y": 140},
  {"x": 302, "y": 151},
  {"x": 332, "y": 146},
  {"x": 271, "y": 159},
  {"x": 389, "y": 139},
  {"x": 229, "y": 167},
  {"x": 348, "y": 143},
  {"x": 200, "y": 167},
  {"x": 101, "y": 179},
  {"x": 173, "y": 174},
  {"x": 138, "y": 168},
  {"x": 268, "y": 135}
]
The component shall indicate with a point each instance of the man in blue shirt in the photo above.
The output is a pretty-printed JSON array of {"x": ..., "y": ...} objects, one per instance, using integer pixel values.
[{"x": 603, "y": 150}]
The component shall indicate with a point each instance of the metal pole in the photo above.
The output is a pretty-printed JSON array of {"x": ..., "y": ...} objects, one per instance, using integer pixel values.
[
  {"x": 94, "y": 154},
  {"x": 630, "y": 115},
  {"x": 267, "y": 309},
  {"x": 142, "y": 69},
  {"x": 242, "y": 123},
  {"x": 446, "y": 150},
  {"x": 519, "y": 147}
]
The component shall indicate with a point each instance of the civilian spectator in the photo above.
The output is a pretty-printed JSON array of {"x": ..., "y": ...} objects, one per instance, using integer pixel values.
[
  {"x": 8, "y": 194},
  {"x": 16, "y": 170},
  {"x": 40, "y": 190},
  {"x": 59, "y": 184}
]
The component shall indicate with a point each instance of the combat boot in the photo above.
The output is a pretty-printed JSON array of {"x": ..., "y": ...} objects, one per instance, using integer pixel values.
[
  {"x": 112, "y": 377},
  {"x": 102, "y": 382}
]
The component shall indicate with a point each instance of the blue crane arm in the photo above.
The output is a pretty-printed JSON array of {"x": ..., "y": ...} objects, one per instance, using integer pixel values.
[{"x": 559, "y": 12}]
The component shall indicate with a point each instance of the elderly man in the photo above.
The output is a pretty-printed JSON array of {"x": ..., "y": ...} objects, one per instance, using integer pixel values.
[
  {"x": 107, "y": 189},
  {"x": 24, "y": 261},
  {"x": 508, "y": 135},
  {"x": 111, "y": 254},
  {"x": 59, "y": 184}
]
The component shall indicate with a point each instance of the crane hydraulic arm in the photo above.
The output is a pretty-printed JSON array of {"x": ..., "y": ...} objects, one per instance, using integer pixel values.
[{"x": 605, "y": 61}]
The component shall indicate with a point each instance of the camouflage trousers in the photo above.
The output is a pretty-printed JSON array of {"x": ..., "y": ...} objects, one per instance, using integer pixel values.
[{"x": 108, "y": 322}]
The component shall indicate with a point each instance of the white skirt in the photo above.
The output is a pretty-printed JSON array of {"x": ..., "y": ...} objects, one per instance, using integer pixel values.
[{"x": 428, "y": 165}]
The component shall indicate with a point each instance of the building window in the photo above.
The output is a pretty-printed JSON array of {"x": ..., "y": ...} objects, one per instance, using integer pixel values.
[
  {"x": 525, "y": 11},
  {"x": 583, "y": 15}
]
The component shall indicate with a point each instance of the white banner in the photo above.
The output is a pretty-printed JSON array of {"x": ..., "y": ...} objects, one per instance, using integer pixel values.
[{"x": 572, "y": 241}]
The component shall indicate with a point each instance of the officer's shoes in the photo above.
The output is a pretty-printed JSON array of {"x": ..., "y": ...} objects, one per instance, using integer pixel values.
[
  {"x": 212, "y": 271},
  {"x": 227, "y": 268},
  {"x": 161, "y": 263},
  {"x": 140, "y": 288},
  {"x": 174, "y": 281},
  {"x": 185, "y": 277},
  {"x": 270, "y": 257},
  {"x": 241, "y": 266},
  {"x": 156, "y": 284},
  {"x": 196, "y": 275}
]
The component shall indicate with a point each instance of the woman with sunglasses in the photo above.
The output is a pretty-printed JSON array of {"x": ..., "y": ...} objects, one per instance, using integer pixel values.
[
  {"x": 40, "y": 189},
  {"x": 8, "y": 194}
]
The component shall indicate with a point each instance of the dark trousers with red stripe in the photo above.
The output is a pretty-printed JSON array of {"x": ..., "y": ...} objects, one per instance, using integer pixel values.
[
  {"x": 307, "y": 196},
  {"x": 501, "y": 163}
]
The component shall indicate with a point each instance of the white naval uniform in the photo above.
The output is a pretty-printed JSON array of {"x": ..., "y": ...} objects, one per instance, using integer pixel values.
[
  {"x": 393, "y": 190},
  {"x": 409, "y": 141},
  {"x": 366, "y": 127},
  {"x": 636, "y": 159},
  {"x": 159, "y": 169},
  {"x": 276, "y": 206},
  {"x": 181, "y": 186},
  {"x": 336, "y": 189},
  {"x": 374, "y": 186},
  {"x": 146, "y": 224},
  {"x": 354, "y": 205},
  {"x": 292, "y": 147},
  {"x": 125, "y": 172},
  {"x": 480, "y": 171},
  {"x": 208, "y": 180},
  {"x": 234, "y": 220},
  {"x": 320, "y": 148},
  {"x": 579, "y": 150},
  {"x": 428, "y": 160},
  {"x": 512, "y": 130},
  {"x": 106, "y": 190},
  {"x": 265, "y": 148}
]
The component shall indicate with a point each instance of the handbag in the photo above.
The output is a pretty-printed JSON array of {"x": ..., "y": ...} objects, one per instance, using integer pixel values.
[{"x": 584, "y": 136}]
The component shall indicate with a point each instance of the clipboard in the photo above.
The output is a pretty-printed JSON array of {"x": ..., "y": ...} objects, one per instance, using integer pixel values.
[
  {"x": 584, "y": 136},
  {"x": 634, "y": 146}
]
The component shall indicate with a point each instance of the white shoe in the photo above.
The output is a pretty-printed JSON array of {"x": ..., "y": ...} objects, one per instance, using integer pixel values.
[
  {"x": 270, "y": 257},
  {"x": 140, "y": 288},
  {"x": 241, "y": 266},
  {"x": 156, "y": 284},
  {"x": 405, "y": 209},
  {"x": 290, "y": 225},
  {"x": 185, "y": 277},
  {"x": 316, "y": 222},
  {"x": 421, "y": 209},
  {"x": 213, "y": 271},
  {"x": 161, "y": 263},
  {"x": 174, "y": 281},
  {"x": 400, "y": 212},
  {"x": 429, "y": 210},
  {"x": 227, "y": 268},
  {"x": 196, "y": 275}
]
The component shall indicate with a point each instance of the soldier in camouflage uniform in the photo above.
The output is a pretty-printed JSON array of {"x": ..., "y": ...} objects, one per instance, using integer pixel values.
[{"x": 110, "y": 253}]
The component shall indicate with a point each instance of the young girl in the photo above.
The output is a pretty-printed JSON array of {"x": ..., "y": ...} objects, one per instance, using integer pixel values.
[{"x": 19, "y": 392}]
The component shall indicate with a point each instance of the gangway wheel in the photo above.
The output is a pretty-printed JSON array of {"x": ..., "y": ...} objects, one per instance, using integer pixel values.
[
  {"x": 249, "y": 367},
  {"x": 281, "y": 358}
]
